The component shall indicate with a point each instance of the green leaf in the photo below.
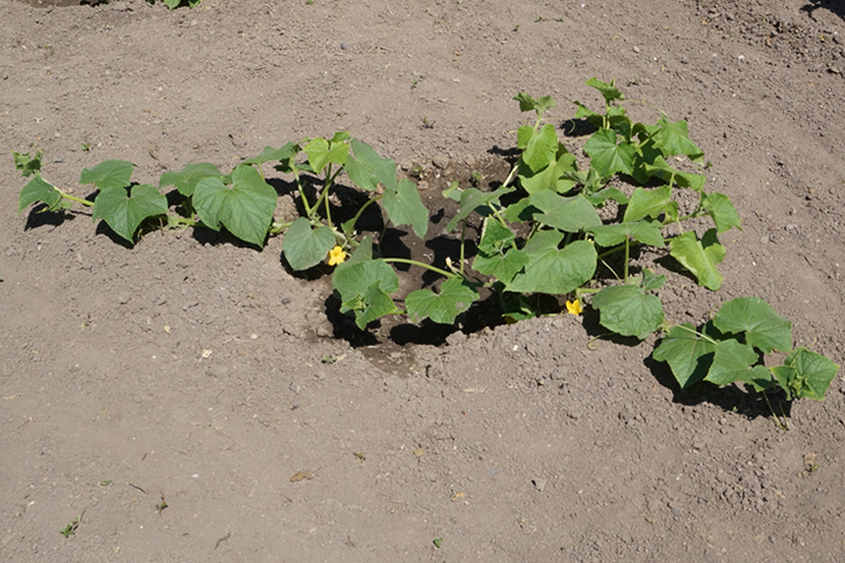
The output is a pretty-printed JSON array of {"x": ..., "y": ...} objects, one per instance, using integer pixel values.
[
  {"x": 673, "y": 138},
  {"x": 305, "y": 246},
  {"x": 108, "y": 174},
  {"x": 501, "y": 265},
  {"x": 583, "y": 112},
  {"x": 270, "y": 154},
  {"x": 628, "y": 310},
  {"x": 608, "y": 91},
  {"x": 554, "y": 177},
  {"x": 569, "y": 214},
  {"x": 367, "y": 169},
  {"x": 733, "y": 361},
  {"x": 651, "y": 281},
  {"x": 607, "y": 156},
  {"x": 598, "y": 198},
  {"x": 455, "y": 297},
  {"x": 688, "y": 353},
  {"x": 26, "y": 165},
  {"x": 700, "y": 257},
  {"x": 473, "y": 199},
  {"x": 661, "y": 169},
  {"x": 764, "y": 328},
  {"x": 646, "y": 232},
  {"x": 404, "y": 206},
  {"x": 554, "y": 271},
  {"x": 186, "y": 180},
  {"x": 539, "y": 105},
  {"x": 650, "y": 203},
  {"x": 321, "y": 152},
  {"x": 723, "y": 212},
  {"x": 495, "y": 237},
  {"x": 364, "y": 286},
  {"x": 541, "y": 148},
  {"x": 37, "y": 190},
  {"x": 245, "y": 208},
  {"x": 124, "y": 213},
  {"x": 805, "y": 374}
]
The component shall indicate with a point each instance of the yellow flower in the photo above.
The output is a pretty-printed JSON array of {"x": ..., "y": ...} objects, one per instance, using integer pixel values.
[
  {"x": 574, "y": 307},
  {"x": 336, "y": 256}
]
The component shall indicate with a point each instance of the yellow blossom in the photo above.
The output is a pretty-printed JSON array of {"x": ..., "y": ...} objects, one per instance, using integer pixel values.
[
  {"x": 336, "y": 256},
  {"x": 574, "y": 307}
]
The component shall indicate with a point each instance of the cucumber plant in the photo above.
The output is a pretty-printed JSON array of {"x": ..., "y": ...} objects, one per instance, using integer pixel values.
[{"x": 551, "y": 227}]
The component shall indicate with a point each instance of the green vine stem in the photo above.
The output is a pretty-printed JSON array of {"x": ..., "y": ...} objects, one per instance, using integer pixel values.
[{"x": 422, "y": 265}]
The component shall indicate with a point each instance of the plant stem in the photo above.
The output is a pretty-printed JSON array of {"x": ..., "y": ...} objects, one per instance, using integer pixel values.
[
  {"x": 426, "y": 266},
  {"x": 463, "y": 246},
  {"x": 782, "y": 425},
  {"x": 361, "y": 212},
  {"x": 301, "y": 191},
  {"x": 627, "y": 257},
  {"x": 277, "y": 227},
  {"x": 74, "y": 198}
]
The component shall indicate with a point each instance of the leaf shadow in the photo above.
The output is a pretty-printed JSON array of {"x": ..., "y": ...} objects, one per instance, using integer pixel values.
[
  {"x": 39, "y": 216},
  {"x": 833, "y": 6},
  {"x": 730, "y": 398}
]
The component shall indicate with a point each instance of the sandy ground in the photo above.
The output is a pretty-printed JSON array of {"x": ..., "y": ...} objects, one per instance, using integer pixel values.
[{"x": 188, "y": 370}]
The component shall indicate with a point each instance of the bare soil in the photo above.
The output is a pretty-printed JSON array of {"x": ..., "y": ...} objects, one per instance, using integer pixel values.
[{"x": 194, "y": 372}]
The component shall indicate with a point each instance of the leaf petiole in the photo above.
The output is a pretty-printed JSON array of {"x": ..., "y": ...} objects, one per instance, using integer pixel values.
[{"x": 422, "y": 265}]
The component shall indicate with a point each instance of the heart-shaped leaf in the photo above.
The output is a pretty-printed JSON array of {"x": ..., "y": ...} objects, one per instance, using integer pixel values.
[{"x": 124, "y": 212}]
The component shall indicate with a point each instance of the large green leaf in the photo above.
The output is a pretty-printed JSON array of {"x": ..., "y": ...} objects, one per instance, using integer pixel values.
[
  {"x": 569, "y": 214},
  {"x": 322, "y": 152},
  {"x": 733, "y": 361},
  {"x": 539, "y": 105},
  {"x": 501, "y": 265},
  {"x": 661, "y": 169},
  {"x": 541, "y": 148},
  {"x": 700, "y": 257},
  {"x": 473, "y": 199},
  {"x": 607, "y": 156},
  {"x": 454, "y": 298},
  {"x": 404, "y": 206},
  {"x": 646, "y": 232},
  {"x": 245, "y": 208},
  {"x": 364, "y": 286},
  {"x": 270, "y": 154},
  {"x": 805, "y": 374},
  {"x": 554, "y": 177},
  {"x": 650, "y": 203},
  {"x": 108, "y": 174},
  {"x": 495, "y": 237},
  {"x": 305, "y": 246},
  {"x": 673, "y": 138},
  {"x": 123, "y": 212},
  {"x": 764, "y": 328},
  {"x": 688, "y": 353},
  {"x": 552, "y": 270},
  {"x": 628, "y": 310},
  {"x": 608, "y": 91},
  {"x": 367, "y": 169},
  {"x": 723, "y": 212},
  {"x": 37, "y": 190},
  {"x": 186, "y": 180}
]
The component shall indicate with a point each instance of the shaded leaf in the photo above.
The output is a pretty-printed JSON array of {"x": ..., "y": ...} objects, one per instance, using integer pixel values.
[
  {"x": 186, "y": 180},
  {"x": 245, "y": 208},
  {"x": 473, "y": 199},
  {"x": 646, "y": 232},
  {"x": 805, "y": 374},
  {"x": 454, "y": 298},
  {"x": 108, "y": 174},
  {"x": 699, "y": 257},
  {"x": 404, "y": 206},
  {"x": 688, "y": 354},
  {"x": 124, "y": 212},
  {"x": 764, "y": 328},
  {"x": 39, "y": 190},
  {"x": 367, "y": 169},
  {"x": 628, "y": 310},
  {"x": 305, "y": 246}
]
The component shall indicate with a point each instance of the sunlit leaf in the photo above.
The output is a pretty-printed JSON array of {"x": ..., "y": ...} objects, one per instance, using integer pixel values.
[
  {"x": 108, "y": 174},
  {"x": 404, "y": 206},
  {"x": 454, "y": 298},
  {"x": 39, "y": 190},
  {"x": 367, "y": 169},
  {"x": 700, "y": 257},
  {"x": 764, "y": 328},
  {"x": 186, "y": 180},
  {"x": 628, "y": 310},
  {"x": 805, "y": 374},
  {"x": 123, "y": 211}
]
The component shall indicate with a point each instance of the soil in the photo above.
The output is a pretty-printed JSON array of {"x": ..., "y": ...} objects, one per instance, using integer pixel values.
[{"x": 192, "y": 400}]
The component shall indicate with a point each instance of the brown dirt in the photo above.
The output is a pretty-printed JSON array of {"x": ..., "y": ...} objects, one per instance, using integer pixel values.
[{"x": 192, "y": 368}]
